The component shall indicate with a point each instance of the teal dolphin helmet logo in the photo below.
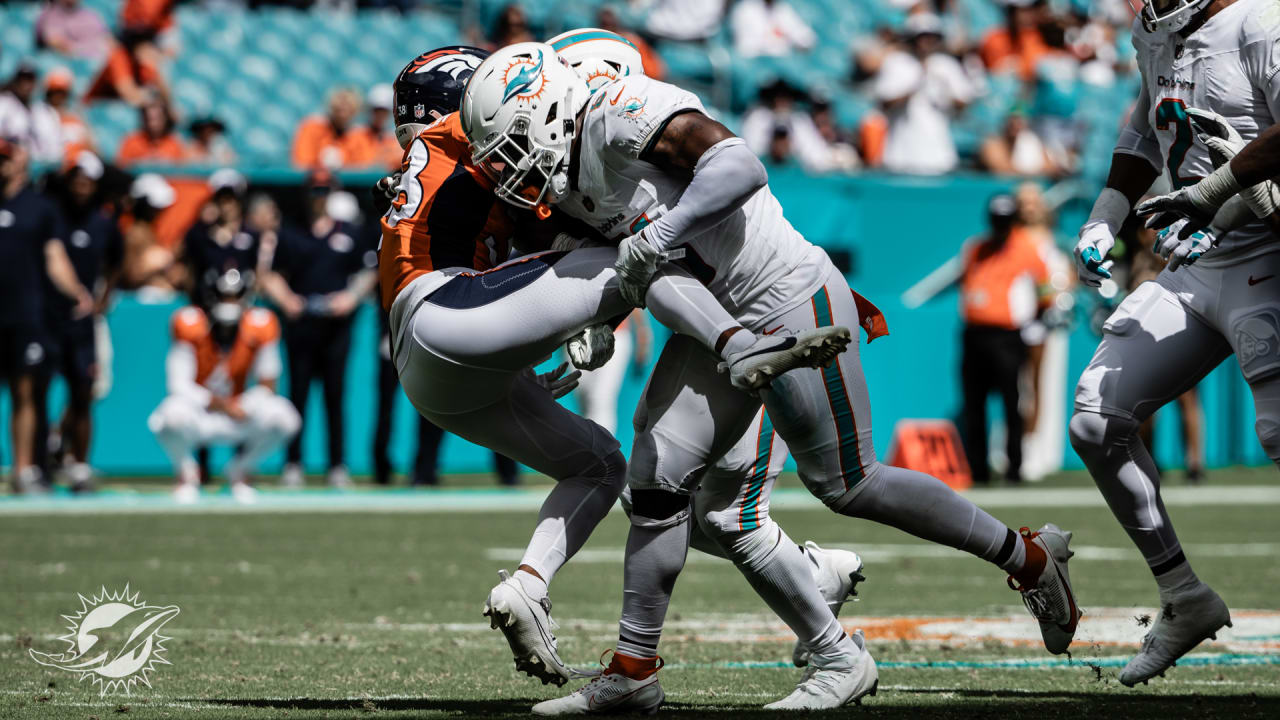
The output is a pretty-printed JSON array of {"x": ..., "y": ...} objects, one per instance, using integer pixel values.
[
  {"x": 114, "y": 640},
  {"x": 528, "y": 80}
]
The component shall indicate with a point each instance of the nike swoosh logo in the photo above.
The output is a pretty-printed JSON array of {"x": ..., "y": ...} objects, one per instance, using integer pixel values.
[
  {"x": 770, "y": 332},
  {"x": 1254, "y": 281},
  {"x": 1075, "y": 612},
  {"x": 617, "y": 97},
  {"x": 783, "y": 344},
  {"x": 613, "y": 698}
]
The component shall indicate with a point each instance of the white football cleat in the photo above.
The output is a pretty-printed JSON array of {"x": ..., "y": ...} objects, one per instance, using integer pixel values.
[
  {"x": 833, "y": 682},
  {"x": 837, "y": 573},
  {"x": 1187, "y": 618},
  {"x": 528, "y": 626},
  {"x": 291, "y": 476},
  {"x": 186, "y": 493},
  {"x": 609, "y": 692},
  {"x": 243, "y": 492},
  {"x": 772, "y": 355},
  {"x": 338, "y": 477},
  {"x": 1051, "y": 600}
]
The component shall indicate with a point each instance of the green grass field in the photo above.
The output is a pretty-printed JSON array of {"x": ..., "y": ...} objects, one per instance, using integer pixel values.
[{"x": 290, "y": 612}]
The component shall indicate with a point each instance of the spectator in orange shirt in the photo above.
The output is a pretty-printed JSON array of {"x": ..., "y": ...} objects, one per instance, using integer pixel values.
[
  {"x": 155, "y": 15},
  {"x": 333, "y": 141},
  {"x": 386, "y": 149},
  {"x": 607, "y": 19},
  {"x": 132, "y": 72},
  {"x": 1000, "y": 288},
  {"x": 155, "y": 141},
  {"x": 1017, "y": 45},
  {"x": 76, "y": 136}
]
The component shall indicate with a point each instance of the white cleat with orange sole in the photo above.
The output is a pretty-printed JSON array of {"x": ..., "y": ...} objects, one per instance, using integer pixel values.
[
  {"x": 1051, "y": 600},
  {"x": 1187, "y": 618}
]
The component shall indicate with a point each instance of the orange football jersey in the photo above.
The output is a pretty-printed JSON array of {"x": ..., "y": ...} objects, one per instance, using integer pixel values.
[
  {"x": 446, "y": 214},
  {"x": 258, "y": 327}
]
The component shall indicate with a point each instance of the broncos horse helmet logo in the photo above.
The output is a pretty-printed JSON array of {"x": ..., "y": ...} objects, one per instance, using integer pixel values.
[
  {"x": 114, "y": 640},
  {"x": 527, "y": 81}
]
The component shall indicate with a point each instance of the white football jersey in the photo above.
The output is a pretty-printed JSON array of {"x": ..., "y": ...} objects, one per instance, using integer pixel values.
[
  {"x": 754, "y": 262},
  {"x": 1228, "y": 65}
]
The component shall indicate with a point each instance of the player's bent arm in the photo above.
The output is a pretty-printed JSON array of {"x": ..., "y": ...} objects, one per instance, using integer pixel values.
[
  {"x": 267, "y": 365},
  {"x": 725, "y": 175},
  {"x": 180, "y": 374},
  {"x": 63, "y": 275}
]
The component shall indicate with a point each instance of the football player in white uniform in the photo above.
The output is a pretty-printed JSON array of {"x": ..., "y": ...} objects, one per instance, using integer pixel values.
[
  {"x": 736, "y": 490},
  {"x": 644, "y": 164},
  {"x": 1222, "y": 56}
]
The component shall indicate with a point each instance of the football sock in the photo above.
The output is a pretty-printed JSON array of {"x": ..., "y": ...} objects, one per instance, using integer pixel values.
[
  {"x": 633, "y": 667},
  {"x": 1126, "y": 474},
  {"x": 571, "y": 511},
  {"x": 924, "y": 506},
  {"x": 686, "y": 306},
  {"x": 534, "y": 586},
  {"x": 1175, "y": 576},
  {"x": 782, "y": 576},
  {"x": 655, "y": 556}
]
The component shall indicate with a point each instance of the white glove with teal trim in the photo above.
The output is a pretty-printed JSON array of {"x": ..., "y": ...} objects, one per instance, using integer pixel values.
[
  {"x": 1096, "y": 240},
  {"x": 636, "y": 265},
  {"x": 1179, "y": 251},
  {"x": 1225, "y": 142}
]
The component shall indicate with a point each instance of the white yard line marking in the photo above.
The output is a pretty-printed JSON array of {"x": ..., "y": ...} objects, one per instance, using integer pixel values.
[{"x": 463, "y": 500}]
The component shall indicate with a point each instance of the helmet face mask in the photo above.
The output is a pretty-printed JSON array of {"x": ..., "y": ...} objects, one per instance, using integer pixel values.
[
  {"x": 1168, "y": 16},
  {"x": 519, "y": 114}
]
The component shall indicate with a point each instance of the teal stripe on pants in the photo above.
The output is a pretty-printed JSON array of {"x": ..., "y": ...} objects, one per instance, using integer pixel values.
[
  {"x": 748, "y": 516},
  {"x": 841, "y": 408}
]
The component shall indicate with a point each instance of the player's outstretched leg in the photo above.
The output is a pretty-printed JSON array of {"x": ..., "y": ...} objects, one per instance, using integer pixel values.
[
  {"x": 825, "y": 417},
  {"x": 1152, "y": 350}
]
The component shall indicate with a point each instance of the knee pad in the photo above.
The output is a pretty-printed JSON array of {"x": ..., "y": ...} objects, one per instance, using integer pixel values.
[
  {"x": 655, "y": 508},
  {"x": 1268, "y": 431},
  {"x": 1092, "y": 432}
]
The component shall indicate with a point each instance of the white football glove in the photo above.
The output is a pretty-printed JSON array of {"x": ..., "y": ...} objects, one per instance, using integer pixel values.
[
  {"x": 1179, "y": 251},
  {"x": 637, "y": 262},
  {"x": 565, "y": 242},
  {"x": 591, "y": 348},
  {"x": 384, "y": 192},
  {"x": 1224, "y": 142},
  {"x": 1186, "y": 203},
  {"x": 1095, "y": 242},
  {"x": 557, "y": 382}
]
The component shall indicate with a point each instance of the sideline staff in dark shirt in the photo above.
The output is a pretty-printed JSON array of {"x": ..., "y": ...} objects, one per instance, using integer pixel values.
[{"x": 30, "y": 246}]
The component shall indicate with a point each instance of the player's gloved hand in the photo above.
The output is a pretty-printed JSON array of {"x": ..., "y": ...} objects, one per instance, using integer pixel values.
[
  {"x": 591, "y": 348},
  {"x": 1224, "y": 143},
  {"x": 1095, "y": 242},
  {"x": 384, "y": 191},
  {"x": 1178, "y": 250},
  {"x": 558, "y": 382},
  {"x": 637, "y": 262},
  {"x": 1185, "y": 203},
  {"x": 565, "y": 242}
]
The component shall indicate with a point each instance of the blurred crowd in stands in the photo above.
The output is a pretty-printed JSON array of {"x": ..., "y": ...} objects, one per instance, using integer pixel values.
[{"x": 910, "y": 84}]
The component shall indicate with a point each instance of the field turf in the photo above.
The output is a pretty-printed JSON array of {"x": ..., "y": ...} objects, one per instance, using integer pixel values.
[{"x": 376, "y": 612}]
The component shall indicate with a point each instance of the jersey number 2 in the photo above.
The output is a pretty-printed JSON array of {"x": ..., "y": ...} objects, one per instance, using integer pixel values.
[{"x": 1172, "y": 112}]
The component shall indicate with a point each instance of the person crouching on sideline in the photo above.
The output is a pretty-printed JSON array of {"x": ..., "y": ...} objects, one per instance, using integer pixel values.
[{"x": 221, "y": 372}]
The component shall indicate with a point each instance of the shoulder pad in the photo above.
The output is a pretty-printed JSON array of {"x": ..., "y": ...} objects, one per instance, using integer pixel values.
[
  {"x": 259, "y": 326},
  {"x": 190, "y": 324}
]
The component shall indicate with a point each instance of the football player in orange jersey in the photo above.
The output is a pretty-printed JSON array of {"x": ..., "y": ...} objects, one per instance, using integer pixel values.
[
  {"x": 465, "y": 331},
  {"x": 221, "y": 374}
]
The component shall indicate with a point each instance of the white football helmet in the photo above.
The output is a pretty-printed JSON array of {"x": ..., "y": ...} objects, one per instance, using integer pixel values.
[
  {"x": 599, "y": 56},
  {"x": 519, "y": 113},
  {"x": 1168, "y": 16}
]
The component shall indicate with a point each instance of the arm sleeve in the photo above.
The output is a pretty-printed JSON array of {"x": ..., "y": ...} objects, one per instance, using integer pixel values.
[
  {"x": 180, "y": 374},
  {"x": 267, "y": 364},
  {"x": 726, "y": 176},
  {"x": 1137, "y": 137}
]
